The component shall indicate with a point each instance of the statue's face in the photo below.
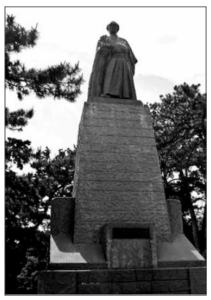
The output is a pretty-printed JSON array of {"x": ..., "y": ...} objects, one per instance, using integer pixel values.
[{"x": 113, "y": 28}]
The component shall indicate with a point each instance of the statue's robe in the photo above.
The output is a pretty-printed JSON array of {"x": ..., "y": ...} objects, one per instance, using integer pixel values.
[{"x": 113, "y": 70}]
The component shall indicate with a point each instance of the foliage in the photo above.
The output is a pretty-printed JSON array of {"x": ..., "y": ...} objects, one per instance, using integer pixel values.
[
  {"x": 28, "y": 196},
  {"x": 60, "y": 81},
  {"x": 28, "y": 202},
  {"x": 179, "y": 122}
]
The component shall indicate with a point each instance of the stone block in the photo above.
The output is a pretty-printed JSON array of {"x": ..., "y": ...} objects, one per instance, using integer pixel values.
[
  {"x": 116, "y": 131},
  {"x": 121, "y": 140},
  {"x": 170, "y": 287},
  {"x": 94, "y": 288},
  {"x": 62, "y": 215},
  {"x": 170, "y": 274},
  {"x": 86, "y": 185},
  {"x": 105, "y": 176},
  {"x": 111, "y": 101},
  {"x": 144, "y": 123},
  {"x": 131, "y": 288},
  {"x": 114, "y": 115},
  {"x": 93, "y": 276},
  {"x": 144, "y": 274},
  {"x": 175, "y": 214},
  {"x": 116, "y": 148},
  {"x": 154, "y": 199},
  {"x": 117, "y": 167},
  {"x": 198, "y": 281},
  {"x": 122, "y": 275},
  {"x": 58, "y": 282},
  {"x": 118, "y": 157}
]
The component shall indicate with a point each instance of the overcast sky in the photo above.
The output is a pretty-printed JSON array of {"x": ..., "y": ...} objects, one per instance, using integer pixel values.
[{"x": 169, "y": 44}]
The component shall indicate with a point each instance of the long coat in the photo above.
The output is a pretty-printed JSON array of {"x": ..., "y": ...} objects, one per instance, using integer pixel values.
[{"x": 113, "y": 70}]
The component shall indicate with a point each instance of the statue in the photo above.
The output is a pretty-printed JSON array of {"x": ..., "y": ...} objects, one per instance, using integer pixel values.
[{"x": 113, "y": 68}]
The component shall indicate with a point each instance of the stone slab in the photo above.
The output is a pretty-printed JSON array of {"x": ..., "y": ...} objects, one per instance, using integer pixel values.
[
  {"x": 118, "y": 131},
  {"x": 138, "y": 186},
  {"x": 144, "y": 123},
  {"x": 131, "y": 288},
  {"x": 106, "y": 205},
  {"x": 118, "y": 176},
  {"x": 114, "y": 101},
  {"x": 116, "y": 148},
  {"x": 115, "y": 114},
  {"x": 198, "y": 281},
  {"x": 170, "y": 287},
  {"x": 119, "y": 157},
  {"x": 62, "y": 215},
  {"x": 155, "y": 281},
  {"x": 94, "y": 288},
  {"x": 111, "y": 216},
  {"x": 57, "y": 282},
  {"x": 121, "y": 140},
  {"x": 153, "y": 198},
  {"x": 118, "y": 167}
]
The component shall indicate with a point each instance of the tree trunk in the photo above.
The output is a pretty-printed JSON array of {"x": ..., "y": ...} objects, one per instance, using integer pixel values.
[{"x": 194, "y": 225}]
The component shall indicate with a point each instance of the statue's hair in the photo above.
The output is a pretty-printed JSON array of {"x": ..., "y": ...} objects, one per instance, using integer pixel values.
[{"x": 115, "y": 23}]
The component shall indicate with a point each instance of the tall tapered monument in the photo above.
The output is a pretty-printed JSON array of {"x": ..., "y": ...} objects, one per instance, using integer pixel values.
[{"x": 118, "y": 234}]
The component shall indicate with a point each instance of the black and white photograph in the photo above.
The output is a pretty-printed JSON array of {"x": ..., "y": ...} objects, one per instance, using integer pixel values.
[{"x": 105, "y": 149}]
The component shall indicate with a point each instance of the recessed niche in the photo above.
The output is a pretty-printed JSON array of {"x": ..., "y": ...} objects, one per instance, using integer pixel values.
[{"x": 131, "y": 233}]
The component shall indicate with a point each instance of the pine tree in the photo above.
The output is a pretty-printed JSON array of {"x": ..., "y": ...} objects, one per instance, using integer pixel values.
[
  {"x": 28, "y": 196},
  {"x": 179, "y": 122}
]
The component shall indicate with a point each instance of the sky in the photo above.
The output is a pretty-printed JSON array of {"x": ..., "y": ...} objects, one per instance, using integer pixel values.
[{"x": 169, "y": 44}]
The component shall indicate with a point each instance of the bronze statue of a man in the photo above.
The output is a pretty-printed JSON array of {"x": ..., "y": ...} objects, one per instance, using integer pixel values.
[{"x": 113, "y": 68}]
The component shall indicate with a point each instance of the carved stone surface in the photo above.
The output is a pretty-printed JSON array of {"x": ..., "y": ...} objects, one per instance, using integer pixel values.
[
  {"x": 117, "y": 165},
  {"x": 118, "y": 157},
  {"x": 116, "y": 148},
  {"x": 118, "y": 131},
  {"x": 170, "y": 287},
  {"x": 198, "y": 280},
  {"x": 94, "y": 288},
  {"x": 143, "y": 186},
  {"x": 121, "y": 140},
  {"x": 138, "y": 251},
  {"x": 131, "y": 288},
  {"x": 124, "y": 281},
  {"x": 144, "y": 123},
  {"x": 114, "y": 101},
  {"x": 62, "y": 215},
  {"x": 57, "y": 282}
]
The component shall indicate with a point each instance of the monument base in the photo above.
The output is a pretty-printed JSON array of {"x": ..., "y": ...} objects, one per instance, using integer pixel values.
[
  {"x": 124, "y": 281},
  {"x": 119, "y": 235}
]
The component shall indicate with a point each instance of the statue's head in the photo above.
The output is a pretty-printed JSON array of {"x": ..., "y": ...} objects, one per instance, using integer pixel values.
[{"x": 113, "y": 27}]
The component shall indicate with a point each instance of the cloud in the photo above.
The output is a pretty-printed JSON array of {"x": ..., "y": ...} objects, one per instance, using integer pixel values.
[
  {"x": 150, "y": 87},
  {"x": 167, "y": 39}
]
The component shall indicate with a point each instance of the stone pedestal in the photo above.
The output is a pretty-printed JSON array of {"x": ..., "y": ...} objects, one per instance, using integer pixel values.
[
  {"x": 119, "y": 235},
  {"x": 117, "y": 177}
]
